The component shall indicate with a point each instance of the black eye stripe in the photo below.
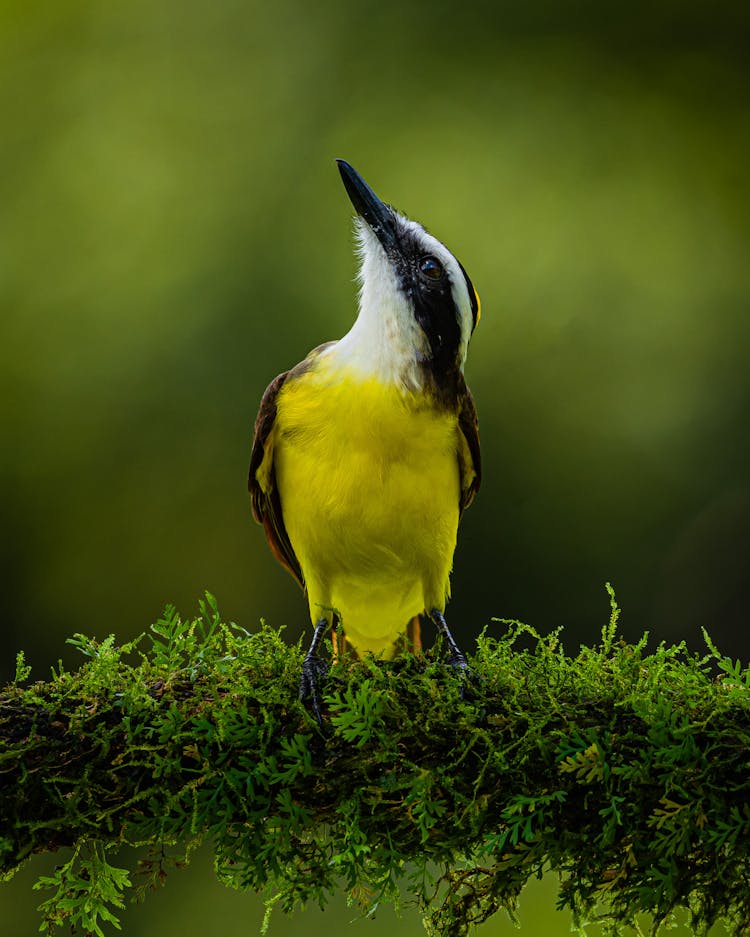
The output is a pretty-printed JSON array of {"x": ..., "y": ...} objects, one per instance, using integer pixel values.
[
  {"x": 435, "y": 311},
  {"x": 435, "y": 308}
]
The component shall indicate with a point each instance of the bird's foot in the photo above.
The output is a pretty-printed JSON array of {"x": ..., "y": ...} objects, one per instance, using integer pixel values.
[
  {"x": 456, "y": 658},
  {"x": 458, "y": 662},
  {"x": 314, "y": 670}
]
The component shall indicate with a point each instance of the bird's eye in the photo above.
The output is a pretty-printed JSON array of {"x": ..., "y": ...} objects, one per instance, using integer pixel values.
[{"x": 431, "y": 267}]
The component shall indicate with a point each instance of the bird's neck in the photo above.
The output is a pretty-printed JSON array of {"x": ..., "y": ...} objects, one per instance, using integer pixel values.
[
  {"x": 368, "y": 353},
  {"x": 383, "y": 344}
]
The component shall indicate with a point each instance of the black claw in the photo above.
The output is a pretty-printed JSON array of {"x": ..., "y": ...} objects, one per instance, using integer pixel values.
[
  {"x": 313, "y": 671},
  {"x": 456, "y": 657},
  {"x": 458, "y": 662}
]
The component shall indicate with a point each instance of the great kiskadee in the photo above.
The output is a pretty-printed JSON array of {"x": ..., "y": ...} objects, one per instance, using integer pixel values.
[{"x": 367, "y": 452}]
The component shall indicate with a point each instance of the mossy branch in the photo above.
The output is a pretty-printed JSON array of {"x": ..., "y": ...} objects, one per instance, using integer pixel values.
[{"x": 624, "y": 771}]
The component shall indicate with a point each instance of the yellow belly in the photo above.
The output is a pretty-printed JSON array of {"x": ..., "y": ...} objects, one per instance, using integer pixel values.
[{"x": 369, "y": 484}]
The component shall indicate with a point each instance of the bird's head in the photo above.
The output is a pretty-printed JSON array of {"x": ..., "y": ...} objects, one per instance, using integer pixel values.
[{"x": 417, "y": 306}]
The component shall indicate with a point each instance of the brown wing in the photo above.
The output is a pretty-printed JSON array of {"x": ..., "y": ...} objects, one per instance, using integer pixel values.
[
  {"x": 470, "y": 457},
  {"x": 264, "y": 495}
]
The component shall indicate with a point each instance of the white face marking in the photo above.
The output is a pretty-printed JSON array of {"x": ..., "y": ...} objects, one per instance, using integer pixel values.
[{"x": 386, "y": 341}]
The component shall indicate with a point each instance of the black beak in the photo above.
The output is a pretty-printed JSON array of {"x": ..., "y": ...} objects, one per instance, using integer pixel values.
[{"x": 368, "y": 206}]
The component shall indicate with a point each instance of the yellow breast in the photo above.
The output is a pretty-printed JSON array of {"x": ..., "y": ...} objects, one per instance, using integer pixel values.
[{"x": 368, "y": 479}]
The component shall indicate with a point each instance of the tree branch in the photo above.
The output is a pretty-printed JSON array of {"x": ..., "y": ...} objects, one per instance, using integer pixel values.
[{"x": 624, "y": 771}]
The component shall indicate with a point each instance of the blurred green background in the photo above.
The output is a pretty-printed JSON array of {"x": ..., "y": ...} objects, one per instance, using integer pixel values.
[{"x": 173, "y": 233}]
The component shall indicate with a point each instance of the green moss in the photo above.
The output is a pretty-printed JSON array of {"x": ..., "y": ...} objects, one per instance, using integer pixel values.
[{"x": 623, "y": 770}]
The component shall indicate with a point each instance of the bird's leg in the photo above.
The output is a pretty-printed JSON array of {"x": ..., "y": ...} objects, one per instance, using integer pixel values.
[
  {"x": 313, "y": 670},
  {"x": 456, "y": 657},
  {"x": 414, "y": 636}
]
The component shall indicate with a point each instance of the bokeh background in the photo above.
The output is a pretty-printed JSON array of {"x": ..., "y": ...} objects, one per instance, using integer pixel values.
[{"x": 174, "y": 233}]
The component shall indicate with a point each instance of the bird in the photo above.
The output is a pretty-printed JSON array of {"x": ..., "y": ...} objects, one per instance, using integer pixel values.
[{"x": 366, "y": 453}]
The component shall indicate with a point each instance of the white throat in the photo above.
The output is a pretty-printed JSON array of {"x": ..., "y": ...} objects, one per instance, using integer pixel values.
[{"x": 385, "y": 341}]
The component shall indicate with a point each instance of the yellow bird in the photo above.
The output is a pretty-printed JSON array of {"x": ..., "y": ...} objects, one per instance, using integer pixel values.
[{"x": 367, "y": 452}]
